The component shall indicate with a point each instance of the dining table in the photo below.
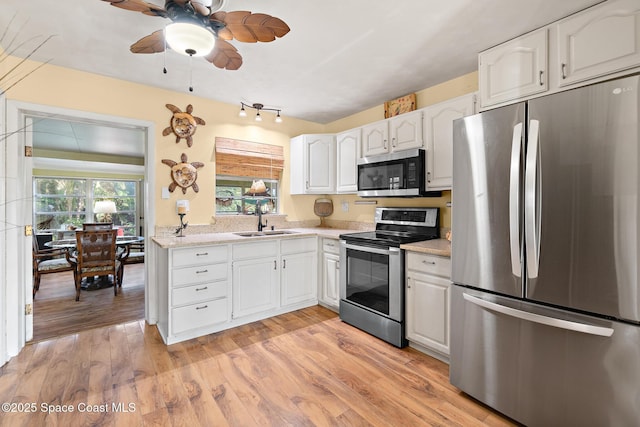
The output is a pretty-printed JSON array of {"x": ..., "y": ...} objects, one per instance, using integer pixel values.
[{"x": 92, "y": 285}]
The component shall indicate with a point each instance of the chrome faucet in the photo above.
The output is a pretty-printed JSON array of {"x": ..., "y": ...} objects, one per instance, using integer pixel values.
[{"x": 259, "y": 213}]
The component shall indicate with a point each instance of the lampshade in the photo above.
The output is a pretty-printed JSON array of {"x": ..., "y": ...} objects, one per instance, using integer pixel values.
[
  {"x": 189, "y": 39},
  {"x": 105, "y": 206}
]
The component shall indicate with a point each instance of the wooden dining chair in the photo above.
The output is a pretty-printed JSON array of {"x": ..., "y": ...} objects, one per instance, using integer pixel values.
[
  {"x": 46, "y": 260},
  {"x": 95, "y": 255}
]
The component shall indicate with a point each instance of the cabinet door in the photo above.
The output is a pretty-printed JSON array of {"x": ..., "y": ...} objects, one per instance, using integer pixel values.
[
  {"x": 348, "y": 153},
  {"x": 255, "y": 286},
  {"x": 406, "y": 131},
  {"x": 601, "y": 40},
  {"x": 427, "y": 303},
  {"x": 438, "y": 125},
  {"x": 320, "y": 158},
  {"x": 299, "y": 281},
  {"x": 330, "y": 279},
  {"x": 514, "y": 69},
  {"x": 375, "y": 138}
]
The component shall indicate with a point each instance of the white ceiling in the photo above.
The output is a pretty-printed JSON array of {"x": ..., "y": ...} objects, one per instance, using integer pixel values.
[{"x": 339, "y": 58}]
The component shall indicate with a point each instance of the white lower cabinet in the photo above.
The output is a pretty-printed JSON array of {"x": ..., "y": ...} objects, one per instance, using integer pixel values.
[
  {"x": 207, "y": 289},
  {"x": 194, "y": 291},
  {"x": 255, "y": 286},
  {"x": 330, "y": 274},
  {"x": 427, "y": 302},
  {"x": 274, "y": 275}
]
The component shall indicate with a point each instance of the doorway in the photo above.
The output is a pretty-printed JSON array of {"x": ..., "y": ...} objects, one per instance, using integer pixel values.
[{"x": 20, "y": 121}]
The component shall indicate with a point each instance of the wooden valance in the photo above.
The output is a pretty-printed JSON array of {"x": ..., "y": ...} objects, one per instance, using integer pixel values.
[{"x": 249, "y": 159}]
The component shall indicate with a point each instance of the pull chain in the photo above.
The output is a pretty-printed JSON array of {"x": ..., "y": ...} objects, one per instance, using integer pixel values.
[
  {"x": 190, "y": 73},
  {"x": 164, "y": 54}
]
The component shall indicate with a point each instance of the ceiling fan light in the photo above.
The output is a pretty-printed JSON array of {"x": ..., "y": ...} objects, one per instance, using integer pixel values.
[
  {"x": 243, "y": 112},
  {"x": 189, "y": 39},
  {"x": 278, "y": 118},
  {"x": 258, "y": 116}
]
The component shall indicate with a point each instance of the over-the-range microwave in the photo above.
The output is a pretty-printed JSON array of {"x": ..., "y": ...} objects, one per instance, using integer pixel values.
[{"x": 397, "y": 174}]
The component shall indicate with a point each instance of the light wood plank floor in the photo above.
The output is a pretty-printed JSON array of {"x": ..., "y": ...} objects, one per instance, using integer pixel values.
[
  {"x": 56, "y": 312},
  {"x": 303, "y": 368}
]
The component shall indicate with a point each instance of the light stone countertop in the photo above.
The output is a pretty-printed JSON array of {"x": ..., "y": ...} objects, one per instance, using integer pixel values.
[
  {"x": 204, "y": 239},
  {"x": 440, "y": 247}
]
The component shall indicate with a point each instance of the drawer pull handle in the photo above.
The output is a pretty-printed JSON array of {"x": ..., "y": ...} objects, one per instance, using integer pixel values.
[
  {"x": 202, "y": 271},
  {"x": 203, "y": 254},
  {"x": 202, "y": 289},
  {"x": 275, "y": 264},
  {"x": 429, "y": 262},
  {"x": 563, "y": 68},
  {"x": 202, "y": 308},
  {"x": 284, "y": 263}
]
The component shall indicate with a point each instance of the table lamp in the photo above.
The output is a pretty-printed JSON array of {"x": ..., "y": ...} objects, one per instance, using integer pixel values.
[{"x": 103, "y": 210}]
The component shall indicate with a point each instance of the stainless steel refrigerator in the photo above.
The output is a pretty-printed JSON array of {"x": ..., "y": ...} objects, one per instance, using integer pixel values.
[{"x": 545, "y": 307}]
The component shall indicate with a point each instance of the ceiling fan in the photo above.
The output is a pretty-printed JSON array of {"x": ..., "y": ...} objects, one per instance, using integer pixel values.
[{"x": 200, "y": 28}]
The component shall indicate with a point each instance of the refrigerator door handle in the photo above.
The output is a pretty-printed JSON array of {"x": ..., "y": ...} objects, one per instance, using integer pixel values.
[
  {"x": 532, "y": 201},
  {"x": 537, "y": 318},
  {"x": 514, "y": 200}
]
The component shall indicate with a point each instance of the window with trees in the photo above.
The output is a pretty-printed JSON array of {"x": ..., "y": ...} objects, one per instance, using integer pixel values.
[
  {"x": 67, "y": 203},
  {"x": 233, "y": 196}
]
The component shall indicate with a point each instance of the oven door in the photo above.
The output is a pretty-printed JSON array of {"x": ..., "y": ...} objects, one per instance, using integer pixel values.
[{"x": 372, "y": 278}]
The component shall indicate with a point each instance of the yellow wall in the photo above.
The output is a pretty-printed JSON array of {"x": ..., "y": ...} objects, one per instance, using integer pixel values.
[
  {"x": 76, "y": 90},
  {"x": 364, "y": 213}
]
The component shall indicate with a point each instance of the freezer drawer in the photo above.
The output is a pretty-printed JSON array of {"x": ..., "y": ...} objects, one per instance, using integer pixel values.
[{"x": 542, "y": 366}]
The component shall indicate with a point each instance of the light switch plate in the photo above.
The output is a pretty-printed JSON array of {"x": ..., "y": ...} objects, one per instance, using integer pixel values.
[
  {"x": 165, "y": 192},
  {"x": 345, "y": 206}
]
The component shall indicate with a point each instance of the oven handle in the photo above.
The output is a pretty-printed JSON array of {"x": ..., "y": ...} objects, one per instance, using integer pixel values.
[{"x": 390, "y": 251}]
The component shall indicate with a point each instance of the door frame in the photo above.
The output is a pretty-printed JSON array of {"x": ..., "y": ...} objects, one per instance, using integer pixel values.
[{"x": 16, "y": 215}]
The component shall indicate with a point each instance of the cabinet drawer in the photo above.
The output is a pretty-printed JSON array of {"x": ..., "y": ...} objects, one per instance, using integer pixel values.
[
  {"x": 196, "y": 293},
  {"x": 255, "y": 250},
  {"x": 295, "y": 246},
  {"x": 199, "y": 255},
  {"x": 429, "y": 264},
  {"x": 331, "y": 246},
  {"x": 199, "y": 274},
  {"x": 198, "y": 315}
]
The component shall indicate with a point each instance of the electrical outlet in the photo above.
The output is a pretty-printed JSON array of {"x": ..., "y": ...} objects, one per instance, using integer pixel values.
[{"x": 345, "y": 206}]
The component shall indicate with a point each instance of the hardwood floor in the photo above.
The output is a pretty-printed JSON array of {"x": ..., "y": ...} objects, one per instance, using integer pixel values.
[
  {"x": 57, "y": 313},
  {"x": 300, "y": 369}
]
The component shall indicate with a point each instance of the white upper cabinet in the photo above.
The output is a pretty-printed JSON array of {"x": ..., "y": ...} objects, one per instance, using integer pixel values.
[
  {"x": 348, "y": 153},
  {"x": 599, "y": 41},
  {"x": 313, "y": 164},
  {"x": 438, "y": 127},
  {"x": 406, "y": 131},
  {"x": 375, "y": 138},
  {"x": 515, "y": 69},
  {"x": 401, "y": 132}
]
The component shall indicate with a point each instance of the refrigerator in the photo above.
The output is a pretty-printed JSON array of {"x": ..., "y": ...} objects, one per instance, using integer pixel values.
[{"x": 545, "y": 306}]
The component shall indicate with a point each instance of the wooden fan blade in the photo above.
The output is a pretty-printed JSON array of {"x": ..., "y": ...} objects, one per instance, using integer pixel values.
[
  {"x": 153, "y": 43},
  {"x": 224, "y": 55},
  {"x": 139, "y": 6},
  {"x": 249, "y": 27}
]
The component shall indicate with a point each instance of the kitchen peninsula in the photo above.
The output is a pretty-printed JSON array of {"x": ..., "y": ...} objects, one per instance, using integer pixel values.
[{"x": 214, "y": 281}]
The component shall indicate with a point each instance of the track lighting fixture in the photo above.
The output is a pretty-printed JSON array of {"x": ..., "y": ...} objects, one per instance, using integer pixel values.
[{"x": 258, "y": 107}]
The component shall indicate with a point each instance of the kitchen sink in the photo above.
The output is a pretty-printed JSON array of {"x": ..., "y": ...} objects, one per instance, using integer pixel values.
[{"x": 263, "y": 233}]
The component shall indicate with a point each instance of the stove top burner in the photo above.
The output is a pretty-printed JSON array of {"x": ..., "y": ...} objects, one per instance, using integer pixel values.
[
  {"x": 388, "y": 238},
  {"x": 397, "y": 226}
]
